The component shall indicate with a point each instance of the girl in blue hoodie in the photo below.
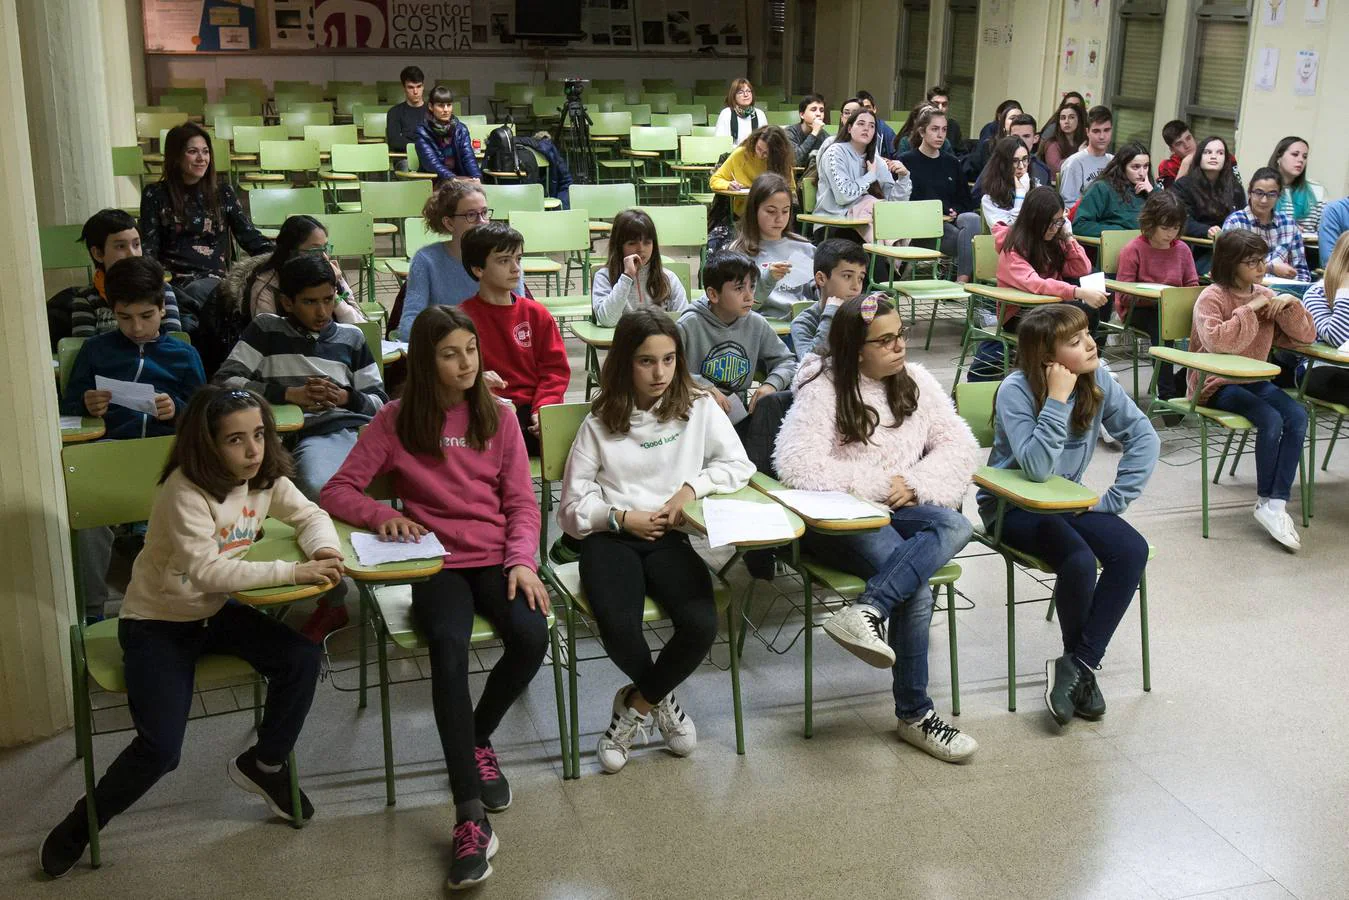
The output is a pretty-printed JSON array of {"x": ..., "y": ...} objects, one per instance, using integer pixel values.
[{"x": 1046, "y": 419}]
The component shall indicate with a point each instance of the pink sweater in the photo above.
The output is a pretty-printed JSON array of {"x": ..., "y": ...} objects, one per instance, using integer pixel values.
[
  {"x": 479, "y": 503},
  {"x": 1140, "y": 261},
  {"x": 1223, "y": 323},
  {"x": 1014, "y": 271}
]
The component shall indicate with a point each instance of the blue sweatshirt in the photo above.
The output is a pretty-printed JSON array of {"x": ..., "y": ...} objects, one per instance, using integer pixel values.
[
  {"x": 1041, "y": 445},
  {"x": 173, "y": 367}
]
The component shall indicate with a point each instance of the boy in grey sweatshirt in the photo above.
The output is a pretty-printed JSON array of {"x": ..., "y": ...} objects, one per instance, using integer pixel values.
[
  {"x": 840, "y": 273},
  {"x": 726, "y": 342}
]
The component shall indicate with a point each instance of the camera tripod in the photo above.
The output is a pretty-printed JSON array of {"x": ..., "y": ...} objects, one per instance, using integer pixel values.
[{"x": 575, "y": 135}]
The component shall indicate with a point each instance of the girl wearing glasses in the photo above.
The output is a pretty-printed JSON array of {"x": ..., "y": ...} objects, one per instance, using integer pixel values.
[
  {"x": 437, "y": 276},
  {"x": 258, "y": 278},
  {"x": 867, "y": 423},
  {"x": 1286, "y": 256},
  {"x": 1006, "y": 181}
]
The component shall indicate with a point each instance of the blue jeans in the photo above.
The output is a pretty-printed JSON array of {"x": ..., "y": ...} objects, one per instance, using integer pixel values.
[
  {"x": 897, "y": 563},
  {"x": 958, "y": 240},
  {"x": 318, "y": 457},
  {"x": 1089, "y": 608},
  {"x": 1281, "y": 424}
]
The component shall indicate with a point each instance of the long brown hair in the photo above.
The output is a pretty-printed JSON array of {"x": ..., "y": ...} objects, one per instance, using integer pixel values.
[
  {"x": 616, "y": 400},
  {"x": 999, "y": 175},
  {"x": 767, "y": 185},
  {"x": 1067, "y": 143},
  {"x": 421, "y": 412},
  {"x": 175, "y": 145},
  {"x": 1026, "y": 237},
  {"x": 636, "y": 225},
  {"x": 1116, "y": 172},
  {"x": 781, "y": 157},
  {"x": 1213, "y": 198},
  {"x": 908, "y": 130},
  {"x": 855, "y": 420},
  {"x": 1038, "y": 336},
  {"x": 196, "y": 452}
]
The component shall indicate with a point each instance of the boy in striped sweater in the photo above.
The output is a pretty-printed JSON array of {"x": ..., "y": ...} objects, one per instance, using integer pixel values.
[{"x": 324, "y": 367}]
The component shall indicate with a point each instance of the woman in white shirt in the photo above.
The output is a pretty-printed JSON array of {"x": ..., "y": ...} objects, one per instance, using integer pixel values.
[{"x": 740, "y": 116}]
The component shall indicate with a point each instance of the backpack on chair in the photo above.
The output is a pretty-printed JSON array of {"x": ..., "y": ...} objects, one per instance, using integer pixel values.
[{"x": 502, "y": 154}]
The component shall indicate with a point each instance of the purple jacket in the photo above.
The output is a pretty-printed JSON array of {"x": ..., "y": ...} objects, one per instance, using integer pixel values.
[{"x": 450, "y": 156}]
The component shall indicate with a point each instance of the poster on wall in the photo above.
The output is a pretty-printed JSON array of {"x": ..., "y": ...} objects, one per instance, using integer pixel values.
[
  {"x": 290, "y": 24},
  {"x": 1272, "y": 12},
  {"x": 422, "y": 25},
  {"x": 1070, "y": 56},
  {"x": 692, "y": 25},
  {"x": 1304, "y": 74},
  {"x": 188, "y": 26},
  {"x": 1093, "y": 65},
  {"x": 1267, "y": 69},
  {"x": 1316, "y": 11}
]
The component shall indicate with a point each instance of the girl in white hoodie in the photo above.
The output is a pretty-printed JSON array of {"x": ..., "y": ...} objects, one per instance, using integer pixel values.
[
  {"x": 634, "y": 276},
  {"x": 652, "y": 443},
  {"x": 865, "y": 422}
]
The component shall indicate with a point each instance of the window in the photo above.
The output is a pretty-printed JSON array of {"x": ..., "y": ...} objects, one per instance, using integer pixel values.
[
  {"x": 1136, "y": 59},
  {"x": 1217, "y": 67},
  {"x": 776, "y": 22},
  {"x": 960, "y": 49},
  {"x": 911, "y": 75},
  {"x": 803, "y": 56}
]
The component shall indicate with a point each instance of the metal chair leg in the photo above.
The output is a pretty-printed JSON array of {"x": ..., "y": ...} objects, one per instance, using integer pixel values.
[
  {"x": 809, "y": 651},
  {"x": 955, "y": 653},
  {"x": 1143, "y": 623},
  {"x": 1011, "y": 634},
  {"x": 731, "y": 614},
  {"x": 385, "y": 717},
  {"x": 564, "y": 745}
]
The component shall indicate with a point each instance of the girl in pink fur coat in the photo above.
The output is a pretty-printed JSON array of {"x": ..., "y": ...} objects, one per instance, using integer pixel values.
[{"x": 865, "y": 422}]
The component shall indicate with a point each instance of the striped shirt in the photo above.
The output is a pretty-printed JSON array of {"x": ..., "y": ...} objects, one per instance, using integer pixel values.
[
  {"x": 275, "y": 353},
  {"x": 1332, "y": 322},
  {"x": 90, "y": 314},
  {"x": 1282, "y": 234}
]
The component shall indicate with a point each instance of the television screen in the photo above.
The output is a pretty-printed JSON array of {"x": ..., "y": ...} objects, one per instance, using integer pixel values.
[{"x": 559, "y": 19}]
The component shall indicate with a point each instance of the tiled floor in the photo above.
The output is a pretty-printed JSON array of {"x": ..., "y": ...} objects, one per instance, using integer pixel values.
[{"x": 1227, "y": 781}]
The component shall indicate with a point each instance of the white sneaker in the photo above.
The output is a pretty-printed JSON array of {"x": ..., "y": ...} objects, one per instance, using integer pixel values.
[
  {"x": 1279, "y": 525},
  {"x": 624, "y": 729},
  {"x": 675, "y": 726},
  {"x": 861, "y": 631},
  {"x": 935, "y": 738}
]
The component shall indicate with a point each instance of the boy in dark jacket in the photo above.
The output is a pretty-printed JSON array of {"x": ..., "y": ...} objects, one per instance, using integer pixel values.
[
  {"x": 405, "y": 118},
  {"x": 444, "y": 146}
]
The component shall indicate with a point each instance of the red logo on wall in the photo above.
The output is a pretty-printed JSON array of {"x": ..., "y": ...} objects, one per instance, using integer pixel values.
[
  {"x": 349, "y": 24},
  {"x": 523, "y": 334}
]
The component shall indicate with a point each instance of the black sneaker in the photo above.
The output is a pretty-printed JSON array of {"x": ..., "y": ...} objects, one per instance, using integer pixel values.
[
  {"x": 762, "y": 564},
  {"x": 1089, "y": 704},
  {"x": 272, "y": 787},
  {"x": 565, "y": 549},
  {"x": 474, "y": 846},
  {"x": 1063, "y": 677},
  {"x": 496, "y": 790},
  {"x": 65, "y": 844}
]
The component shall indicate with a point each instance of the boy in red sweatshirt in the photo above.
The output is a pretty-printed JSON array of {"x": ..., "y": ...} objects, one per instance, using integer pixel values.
[{"x": 518, "y": 338}]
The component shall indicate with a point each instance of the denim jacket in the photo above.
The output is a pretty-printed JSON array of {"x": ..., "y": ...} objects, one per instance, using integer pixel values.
[{"x": 450, "y": 156}]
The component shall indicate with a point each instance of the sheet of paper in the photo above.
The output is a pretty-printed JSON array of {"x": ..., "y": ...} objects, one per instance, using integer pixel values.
[
  {"x": 371, "y": 551},
  {"x": 1152, "y": 285},
  {"x": 131, "y": 394},
  {"x": 803, "y": 271},
  {"x": 387, "y": 347},
  {"x": 735, "y": 521},
  {"x": 1272, "y": 280},
  {"x": 70, "y": 422},
  {"x": 828, "y": 504},
  {"x": 1093, "y": 282},
  {"x": 738, "y": 413},
  {"x": 1344, "y": 348}
]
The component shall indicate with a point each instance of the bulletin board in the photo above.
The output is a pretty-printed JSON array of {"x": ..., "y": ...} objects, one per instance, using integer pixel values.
[{"x": 189, "y": 26}]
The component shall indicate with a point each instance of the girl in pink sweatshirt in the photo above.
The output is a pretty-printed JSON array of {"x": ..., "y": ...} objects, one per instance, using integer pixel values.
[
  {"x": 459, "y": 465},
  {"x": 867, "y": 423},
  {"x": 1238, "y": 314}
]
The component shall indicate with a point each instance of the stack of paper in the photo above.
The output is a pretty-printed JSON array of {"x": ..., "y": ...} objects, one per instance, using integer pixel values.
[
  {"x": 69, "y": 423},
  {"x": 743, "y": 521},
  {"x": 132, "y": 394},
  {"x": 1094, "y": 281},
  {"x": 828, "y": 505},
  {"x": 387, "y": 347},
  {"x": 371, "y": 551}
]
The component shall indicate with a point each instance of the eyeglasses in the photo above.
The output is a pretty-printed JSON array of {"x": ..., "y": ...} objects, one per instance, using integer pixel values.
[
  {"x": 889, "y": 341},
  {"x": 477, "y": 215},
  {"x": 1021, "y": 161},
  {"x": 1257, "y": 262},
  {"x": 322, "y": 250},
  {"x": 1265, "y": 195},
  {"x": 1057, "y": 223}
]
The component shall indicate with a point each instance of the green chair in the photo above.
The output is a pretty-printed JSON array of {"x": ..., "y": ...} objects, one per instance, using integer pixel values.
[
  {"x": 710, "y": 86},
  {"x": 391, "y": 202},
  {"x": 680, "y": 226},
  {"x": 149, "y": 125},
  {"x": 129, "y": 162},
  {"x": 682, "y": 123},
  {"x": 353, "y": 235},
  {"x": 328, "y": 135},
  {"x": 413, "y": 171},
  {"x": 111, "y": 483},
  {"x": 704, "y": 131},
  {"x": 1112, "y": 242},
  {"x": 299, "y": 104},
  {"x": 374, "y": 125},
  {"x": 695, "y": 111},
  {"x": 698, "y": 158},
  {"x": 246, "y": 85},
  {"x": 187, "y": 100},
  {"x": 658, "y": 84},
  {"x": 603, "y": 202},
  {"x": 640, "y": 112},
  {"x": 296, "y": 122},
  {"x": 67, "y": 348},
  {"x": 600, "y": 102},
  {"x": 225, "y": 125},
  {"x": 477, "y": 130},
  {"x": 659, "y": 102},
  {"x": 61, "y": 248},
  {"x": 653, "y": 146},
  {"x": 608, "y": 131},
  {"x": 609, "y": 86},
  {"x": 213, "y": 111},
  {"x": 390, "y": 92},
  {"x": 503, "y": 199},
  {"x": 565, "y": 231},
  {"x": 282, "y": 86},
  {"x": 269, "y": 208},
  {"x": 911, "y": 220},
  {"x": 713, "y": 103},
  {"x": 782, "y": 117},
  {"x": 415, "y": 236},
  {"x": 547, "y": 107},
  {"x": 281, "y": 161},
  {"x": 348, "y": 162},
  {"x": 347, "y": 101},
  {"x": 248, "y": 140}
]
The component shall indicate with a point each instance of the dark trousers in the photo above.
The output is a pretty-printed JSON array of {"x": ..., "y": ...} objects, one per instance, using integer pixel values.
[
  {"x": 444, "y": 607},
  {"x": 160, "y": 661},
  {"x": 1329, "y": 383},
  {"x": 524, "y": 414},
  {"x": 1170, "y": 384},
  {"x": 618, "y": 573},
  {"x": 1089, "y": 608}
]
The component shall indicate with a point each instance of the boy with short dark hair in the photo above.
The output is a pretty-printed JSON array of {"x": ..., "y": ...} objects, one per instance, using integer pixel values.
[
  {"x": 726, "y": 342},
  {"x": 133, "y": 351},
  {"x": 405, "y": 118},
  {"x": 518, "y": 338},
  {"x": 1178, "y": 137},
  {"x": 1080, "y": 170},
  {"x": 808, "y": 134},
  {"x": 840, "y": 275},
  {"x": 111, "y": 235}
]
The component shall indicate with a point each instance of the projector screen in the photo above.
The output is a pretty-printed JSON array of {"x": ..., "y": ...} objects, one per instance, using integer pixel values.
[{"x": 548, "y": 19}]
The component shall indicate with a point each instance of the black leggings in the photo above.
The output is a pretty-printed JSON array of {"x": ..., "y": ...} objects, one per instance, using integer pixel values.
[
  {"x": 444, "y": 606},
  {"x": 618, "y": 572}
]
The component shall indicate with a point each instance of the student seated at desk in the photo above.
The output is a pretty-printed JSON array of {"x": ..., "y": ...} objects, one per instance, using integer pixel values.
[
  {"x": 322, "y": 366},
  {"x": 1047, "y": 416},
  {"x": 111, "y": 235},
  {"x": 726, "y": 341},
  {"x": 135, "y": 351},
  {"x": 404, "y": 119},
  {"x": 634, "y": 276},
  {"x": 867, "y": 423},
  {"x": 840, "y": 273},
  {"x": 444, "y": 146},
  {"x": 1287, "y": 257},
  {"x": 1328, "y": 302},
  {"x": 1116, "y": 197},
  {"x": 253, "y": 285},
  {"x": 518, "y": 337},
  {"x": 459, "y": 465},
  {"x": 766, "y": 237},
  {"x": 652, "y": 443},
  {"x": 226, "y": 474},
  {"x": 766, "y": 149}
]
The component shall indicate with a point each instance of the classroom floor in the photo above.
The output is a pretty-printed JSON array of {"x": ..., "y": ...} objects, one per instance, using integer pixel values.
[{"x": 1227, "y": 781}]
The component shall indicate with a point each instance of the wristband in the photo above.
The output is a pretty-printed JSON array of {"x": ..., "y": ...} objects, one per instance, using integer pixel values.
[{"x": 613, "y": 520}]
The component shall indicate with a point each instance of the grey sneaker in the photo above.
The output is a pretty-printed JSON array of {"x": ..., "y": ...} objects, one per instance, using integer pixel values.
[
  {"x": 1089, "y": 704},
  {"x": 862, "y": 633},
  {"x": 936, "y": 738},
  {"x": 1063, "y": 681}
]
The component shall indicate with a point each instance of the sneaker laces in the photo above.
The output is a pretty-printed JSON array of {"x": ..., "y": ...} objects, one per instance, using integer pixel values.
[
  {"x": 468, "y": 839},
  {"x": 488, "y": 767},
  {"x": 876, "y": 625},
  {"x": 669, "y": 715},
  {"x": 935, "y": 729},
  {"x": 626, "y": 730}
]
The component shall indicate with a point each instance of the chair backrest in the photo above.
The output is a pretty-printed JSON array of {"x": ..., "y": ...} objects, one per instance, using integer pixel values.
[
  {"x": 601, "y": 102},
  {"x": 604, "y": 201},
  {"x": 658, "y": 85},
  {"x": 714, "y": 103},
  {"x": 288, "y": 156},
  {"x": 640, "y": 112},
  {"x": 548, "y": 106},
  {"x": 659, "y": 102},
  {"x": 558, "y": 231},
  {"x": 353, "y": 157},
  {"x": 213, "y": 111},
  {"x": 696, "y": 151},
  {"x": 128, "y": 161},
  {"x": 608, "y": 85},
  {"x": 249, "y": 138},
  {"x": 373, "y": 332},
  {"x": 478, "y": 131},
  {"x": 985, "y": 258},
  {"x": 416, "y": 235},
  {"x": 682, "y": 123},
  {"x": 709, "y": 85},
  {"x": 704, "y": 131},
  {"x": 292, "y": 105},
  {"x": 390, "y": 92},
  {"x": 393, "y": 199},
  {"x": 225, "y": 125},
  {"x": 291, "y": 91},
  {"x": 374, "y": 124},
  {"x": 521, "y": 94},
  {"x": 282, "y": 85},
  {"x": 610, "y": 124},
  {"x": 1112, "y": 242},
  {"x": 272, "y": 206},
  {"x": 683, "y": 270},
  {"x": 67, "y": 348},
  {"x": 112, "y": 482},
  {"x": 350, "y": 234},
  {"x": 558, "y": 425},
  {"x": 695, "y": 111},
  {"x": 908, "y": 219},
  {"x": 974, "y": 402},
  {"x": 328, "y": 135},
  {"x": 503, "y": 199},
  {"x": 679, "y": 226},
  {"x": 296, "y": 121},
  {"x": 472, "y": 120},
  {"x": 148, "y": 125},
  {"x": 1175, "y": 312},
  {"x": 645, "y": 137},
  {"x": 783, "y": 117},
  {"x": 246, "y": 85},
  {"x": 346, "y": 102},
  {"x": 61, "y": 247},
  {"x": 192, "y": 102}
]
